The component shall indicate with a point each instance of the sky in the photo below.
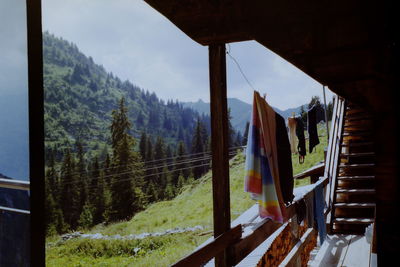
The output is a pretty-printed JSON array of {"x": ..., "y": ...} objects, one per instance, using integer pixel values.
[
  {"x": 135, "y": 42},
  {"x": 14, "y": 140}
]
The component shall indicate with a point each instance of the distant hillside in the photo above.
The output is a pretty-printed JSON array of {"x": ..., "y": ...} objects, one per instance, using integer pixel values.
[
  {"x": 240, "y": 111},
  {"x": 80, "y": 95}
]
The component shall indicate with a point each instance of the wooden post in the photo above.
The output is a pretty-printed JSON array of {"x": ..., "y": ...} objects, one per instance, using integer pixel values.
[
  {"x": 219, "y": 141},
  {"x": 36, "y": 132}
]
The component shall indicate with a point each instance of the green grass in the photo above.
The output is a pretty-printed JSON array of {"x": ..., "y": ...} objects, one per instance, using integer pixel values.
[{"x": 193, "y": 206}]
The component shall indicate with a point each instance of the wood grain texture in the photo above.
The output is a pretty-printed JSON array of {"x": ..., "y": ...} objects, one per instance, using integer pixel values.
[
  {"x": 219, "y": 142},
  {"x": 206, "y": 253}
]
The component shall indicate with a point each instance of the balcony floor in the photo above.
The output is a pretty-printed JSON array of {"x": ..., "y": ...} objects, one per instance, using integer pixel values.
[{"x": 343, "y": 250}]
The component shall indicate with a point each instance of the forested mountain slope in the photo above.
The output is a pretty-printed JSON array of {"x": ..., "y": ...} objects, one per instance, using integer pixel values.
[{"x": 80, "y": 95}]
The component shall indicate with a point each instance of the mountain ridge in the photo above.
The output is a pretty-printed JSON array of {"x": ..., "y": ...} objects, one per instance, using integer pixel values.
[
  {"x": 240, "y": 111},
  {"x": 80, "y": 96}
]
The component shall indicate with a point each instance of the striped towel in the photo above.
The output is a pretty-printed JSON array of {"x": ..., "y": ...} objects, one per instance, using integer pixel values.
[{"x": 262, "y": 175}]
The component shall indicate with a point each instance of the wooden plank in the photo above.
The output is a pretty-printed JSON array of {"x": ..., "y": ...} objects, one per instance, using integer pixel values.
[
  {"x": 360, "y": 154},
  {"x": 357, "y": 166},
  {"x": 357, "y": 252},
  {"x": 328, "y": 160},
  {"x": 335, "y": 169},
  {"x": 355, "y": 205},
  {"x": 354, "y": 220},
  {"x": 356, "y": 177},
  {"x": 355, "y": 191},
  {"x": 2, "y": 208},
  {"x": 315, "y": 170},
  {"x": 294, "y": 255},
  {"x": 250, "y": 242},
  {"x": 14, "y": 184},
  {"x": 36, "y": 132},
  {"x": 206, "y": 253},
  {"x": 219, "y": 141}
]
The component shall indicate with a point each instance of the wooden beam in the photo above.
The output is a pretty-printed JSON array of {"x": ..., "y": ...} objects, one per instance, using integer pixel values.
[
  {"x": 250, "y": 242},
  {"x": 206, "y": 253},
  {"x": 219, "y": 141},
  {"x": 36, "y": 131},
  {"x": 317, "y": 170},
  {"x": 293, "y": 256},
  {"x": 14, "y": 184}
]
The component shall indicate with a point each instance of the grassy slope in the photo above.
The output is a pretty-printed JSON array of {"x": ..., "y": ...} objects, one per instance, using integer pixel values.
[{"x": 192, "y": 207}]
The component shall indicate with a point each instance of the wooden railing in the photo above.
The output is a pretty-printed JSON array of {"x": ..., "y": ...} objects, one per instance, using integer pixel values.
[
  {"x": 333, "y": 157},
  {"x": 17, "y": 185},
  {"x": 241, "y": 246}
]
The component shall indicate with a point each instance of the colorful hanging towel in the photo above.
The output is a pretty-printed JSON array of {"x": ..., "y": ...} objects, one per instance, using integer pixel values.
[{"x": 262, "y": 175}]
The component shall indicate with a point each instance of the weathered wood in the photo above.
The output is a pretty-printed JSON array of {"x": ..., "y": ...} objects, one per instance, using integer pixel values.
[
  {"x": 294, "y": 229},
  {"x": 354, "y": 220},
  {"x": 315, "y": 170},
  {"x": 249, "y": 243},
  {"x": 335, "y": 165},
  {"x": 293, "y": 258},
  {"x": 20, "y": 211},
  {"x": 219, "y": 141},
  {"x": 206, "y": 253},
  {"x": 14, "y": 184}
]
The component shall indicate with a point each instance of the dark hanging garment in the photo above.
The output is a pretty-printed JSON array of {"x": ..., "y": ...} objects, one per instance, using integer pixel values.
[
  {"x": 301, "y": 146},
  {"x": 312, "y": 128},
  {"x": 284, "y": 159}
]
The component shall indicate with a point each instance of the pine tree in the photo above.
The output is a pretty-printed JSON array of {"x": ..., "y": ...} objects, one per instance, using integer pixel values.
[
  {"x": 169, "y": 158},
  {"x": 69, "y": 200},
  {"x": 246, "y": 134},
  {"x": 198, "y": 151},
  {"x": 127, "y": 182},
  {"x": 143, "y": 145},
  {"x": 86, "y": 217},
  {"x": 231, "y": 130},
  {"x": 81, "y": 176},
  {"x": 50, "y": 209},
  {"x": 181, "y": 167},
  {"x": 159, "y": 155}
]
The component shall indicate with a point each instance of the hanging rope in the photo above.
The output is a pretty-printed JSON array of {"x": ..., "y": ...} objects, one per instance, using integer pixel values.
[{"x": 228, "y": 52}]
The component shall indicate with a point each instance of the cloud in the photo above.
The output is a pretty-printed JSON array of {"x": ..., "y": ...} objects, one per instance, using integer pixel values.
[
  {"x": 13, "y": 48},
  {"x": 135, "y": 42}
]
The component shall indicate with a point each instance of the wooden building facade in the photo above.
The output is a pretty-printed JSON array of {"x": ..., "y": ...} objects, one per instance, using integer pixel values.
[{"x": 349, "y": 46}]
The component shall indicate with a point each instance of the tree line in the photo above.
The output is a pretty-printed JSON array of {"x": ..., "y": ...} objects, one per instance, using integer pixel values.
[{"x": 82, "y": 192}]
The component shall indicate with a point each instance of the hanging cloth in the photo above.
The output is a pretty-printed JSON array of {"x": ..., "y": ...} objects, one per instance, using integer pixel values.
[
  {"x": 312, "y": 128},
  {"x": 292, "y": 134},
  {"x": 284, "y": 154},
  {"x": 319, "y": 212},
  {"x": 261, "y": 168},
  {"x": 301, "y": 147}
]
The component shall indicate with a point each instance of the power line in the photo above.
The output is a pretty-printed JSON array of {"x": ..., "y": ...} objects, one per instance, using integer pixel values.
[
  {"x": 149, "y": 175},
  {"x": 157, "y": 160},
  {"x": 228, "y": 52},
  {"x": 206, "y": 158}
]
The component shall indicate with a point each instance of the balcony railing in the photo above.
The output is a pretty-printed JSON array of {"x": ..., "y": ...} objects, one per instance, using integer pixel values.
[{"x": 17, "y": 185}]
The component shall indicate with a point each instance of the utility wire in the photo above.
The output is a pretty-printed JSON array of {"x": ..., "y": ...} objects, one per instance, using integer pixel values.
[
  {"x": 228, "y": 52},
  {"x": 156, "y": 160},
  {"x": 149, "y": 175},
  {"x": 207, "y": 158}
]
